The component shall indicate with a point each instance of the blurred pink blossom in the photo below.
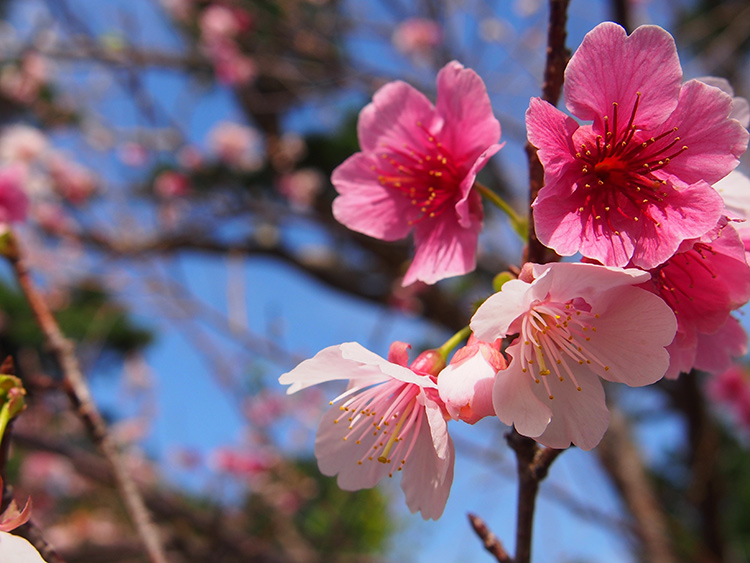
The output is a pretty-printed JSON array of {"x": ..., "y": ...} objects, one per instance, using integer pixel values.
[
  {"x": 71, "y": 180},
  {"x": 14, "y": 203},
  {"x": 417, "y": 36},
  {"x": 301, "y": 187},
  {"x": 189, "y": 157},
  {"x": 133, "y": 154},
  {"x": 731, "y": 389},
  {"x": 231, "y": 66},
  {"x": 241, "y": 464},
  {"x": 170, "y": 184},
  {"x": 236, "y": 145},
  {"x": 21, "y": 143}
]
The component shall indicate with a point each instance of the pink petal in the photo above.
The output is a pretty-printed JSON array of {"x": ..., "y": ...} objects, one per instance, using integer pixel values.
[
  {"x": 427, "y": 478},
  {"x": 469, "y": 206},
  {"x": 337, "y": 456},
  {"x": 495, "y": 316},
  {"x": 551, "y": 132},
  {"x": 347, "y": 361},
  {"x": 715, "y": 142},
  {"x": 398, "y": 353},
  {"x": 685, "y": 213},
  {"x": 559, "y": 225},
  {"x": 515, "y": 402},
  {"x": 443, "y": 249},
  {"x": 16, "y": 549},
  {"x": 632, "y": 332},
  {"x": 466, "y": 388},
  {"x": 576, "y": 279},
  {"x": 393, "y": 116},
  {"x": 578, "y": 417},
  {"x": 462, "y": 101},
  {"x": 366, "y": 206},
  {"x": 715, "y": 352},
  {"x": 611, "y": 67},
  {"x": 735, "y": 190},
  {"x": 681, "y": 354}
]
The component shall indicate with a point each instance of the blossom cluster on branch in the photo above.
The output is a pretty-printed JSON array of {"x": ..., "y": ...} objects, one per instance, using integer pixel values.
[{"x": 632, "y": 190}]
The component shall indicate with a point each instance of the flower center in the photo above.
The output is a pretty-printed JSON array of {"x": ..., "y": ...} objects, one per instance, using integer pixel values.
[
  {"x": 426, "y": 175},
  {"x": 383, "y": 419},
  {"x": 618, "y": 171},
  {"x": 555, "y": 335}
]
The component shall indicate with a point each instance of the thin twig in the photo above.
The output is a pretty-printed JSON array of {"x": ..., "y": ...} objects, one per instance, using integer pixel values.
[
  {"x": 533, "y": 463},
  {"x": 78, "y": 392},
  {"x": 491, "y": 542},
  {"x": 554, "y": 70}
]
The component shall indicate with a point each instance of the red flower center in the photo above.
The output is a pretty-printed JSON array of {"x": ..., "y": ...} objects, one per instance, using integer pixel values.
[
  {"x": 425, "y": 174},
  {"x": 618, "y": 173}
]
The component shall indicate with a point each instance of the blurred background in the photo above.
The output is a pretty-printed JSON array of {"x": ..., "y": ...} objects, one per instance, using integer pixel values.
[{"x": 179, "y": 155}]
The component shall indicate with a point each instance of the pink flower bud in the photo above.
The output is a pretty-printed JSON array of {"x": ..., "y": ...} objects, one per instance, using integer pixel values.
[{"x": 465, "y": 386}]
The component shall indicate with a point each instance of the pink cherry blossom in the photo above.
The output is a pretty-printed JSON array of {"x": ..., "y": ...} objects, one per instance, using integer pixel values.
[
  {"x": 417, "y": 169},
  {"x": 703, "y": 283},
  {"x": 635, "y": 183},
  {"x": 731, "y": 388},
  {"x": 13, "y": 201},
  {"x": 716, "y": 352},
  {"x": 465, "y": 385},
  {"x": 417, "y": 36},
  {"x": 22, "y": 144},
  {"x": 170, "y": 184},
  {"x": 576, "y": 323},
  {"x": 390, "y": 419},
  {"x": 71, "y": 180},
  {"x": 237, "y": 145}
]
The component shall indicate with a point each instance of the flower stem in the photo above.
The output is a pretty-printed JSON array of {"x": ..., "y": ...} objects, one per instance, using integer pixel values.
[
  {"x": 453, "y": 341},
  {"x": 520, "y": 225}
]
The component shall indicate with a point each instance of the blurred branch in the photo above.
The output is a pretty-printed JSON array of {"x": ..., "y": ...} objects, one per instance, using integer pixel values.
[
  {"x": 80, "y": 396},
  {"x": 705, "y": 488},
  {"x": 329, "y": 269},
  {"x": 490, "y": 540},
  {"x": 622, "y": 461}
]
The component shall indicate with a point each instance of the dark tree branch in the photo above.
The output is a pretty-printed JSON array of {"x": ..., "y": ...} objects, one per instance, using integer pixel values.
[
  {"x": 622, "y": 461},
  {"x": 533, "y": 463},
  {"x": 491, "y": 542},
  {"x": 554, "y": 70}
]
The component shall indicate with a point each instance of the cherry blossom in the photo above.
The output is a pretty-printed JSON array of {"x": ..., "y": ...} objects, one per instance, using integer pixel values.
[
  {"x": 417, "y": 169},
  {"x": 390, "y": 419},
  {"x": 13, "y": 201},
  {"x": 417, "y": 37},
  {"x": 703, "y": 283},
  {"x": 635, "y": 183},
  {"x": 576, "y": 323},
  {"x": 465, "y": 385}
]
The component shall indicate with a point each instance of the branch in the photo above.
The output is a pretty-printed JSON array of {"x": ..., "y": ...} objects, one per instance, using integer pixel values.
[
  {"x": 78, "y": 392},
  {"x": 490, "y": 540},
  {"x": 622, "y": 460},
  {"x": 557, "y": 59}
]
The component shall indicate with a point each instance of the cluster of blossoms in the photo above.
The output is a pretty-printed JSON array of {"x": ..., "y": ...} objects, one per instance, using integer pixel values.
[
  {"x": 632, "y": 191},
  {"x": 220, "y": 25}
]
